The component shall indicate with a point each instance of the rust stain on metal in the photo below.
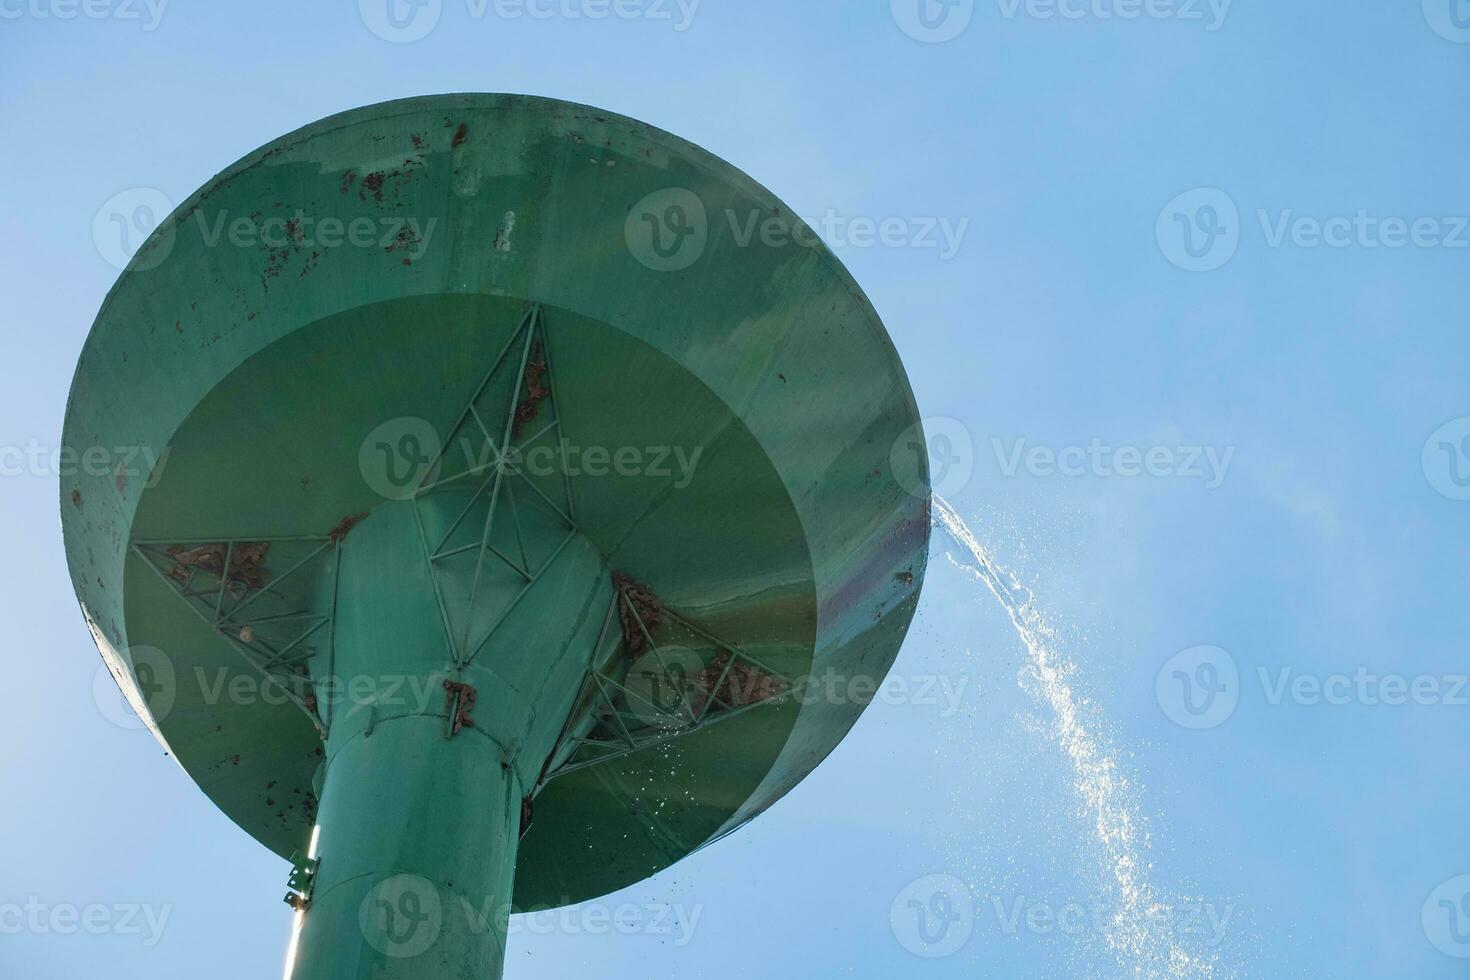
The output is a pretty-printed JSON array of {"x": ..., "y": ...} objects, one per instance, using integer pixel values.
[
  {"x": 406, "y": 238},
  {"x": 460, "y": 135},
  {"x": 537, "y": 389},
  {"x": 344, "y": 527},
  {"x": 246, "y": 562},
  {"x": 743, "y": 683},
  {"x": 637, "y": 597},
  {"x": 372, "y": 184},
  {"x": 465, "y": 695},
  {"x": 527, "y": 813},
  {"x": 279, "y": 256}
]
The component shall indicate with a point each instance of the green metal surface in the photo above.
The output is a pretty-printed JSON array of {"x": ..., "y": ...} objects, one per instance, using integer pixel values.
[
  {"x": 266, "y": 550},
  {"x": 420, "y": 816}
]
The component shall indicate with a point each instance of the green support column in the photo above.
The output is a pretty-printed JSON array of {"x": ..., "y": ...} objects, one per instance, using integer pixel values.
[
  {"x": 417, "y": 849},
  {"x": 428, "y": 760}
]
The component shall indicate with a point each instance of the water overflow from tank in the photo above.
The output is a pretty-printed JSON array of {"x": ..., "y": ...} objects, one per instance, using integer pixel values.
[{"x": 1140, "y": 932}]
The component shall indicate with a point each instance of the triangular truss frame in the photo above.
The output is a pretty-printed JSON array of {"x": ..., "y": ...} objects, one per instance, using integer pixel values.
[
  {"x": 602, "y": 692},
  {"x": 224, "y": 600},
  {"x": 497, "y": 479}
]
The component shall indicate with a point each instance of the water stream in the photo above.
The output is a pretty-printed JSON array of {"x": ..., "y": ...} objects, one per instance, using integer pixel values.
[{"x": 1140, "y": 931}]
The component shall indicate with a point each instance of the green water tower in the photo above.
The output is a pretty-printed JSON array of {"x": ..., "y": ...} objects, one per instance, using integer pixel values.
[{"x": 518, "y": 467}]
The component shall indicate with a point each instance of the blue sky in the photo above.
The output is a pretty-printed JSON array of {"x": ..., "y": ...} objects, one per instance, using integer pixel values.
[{"x": 1221, "y": 248}]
